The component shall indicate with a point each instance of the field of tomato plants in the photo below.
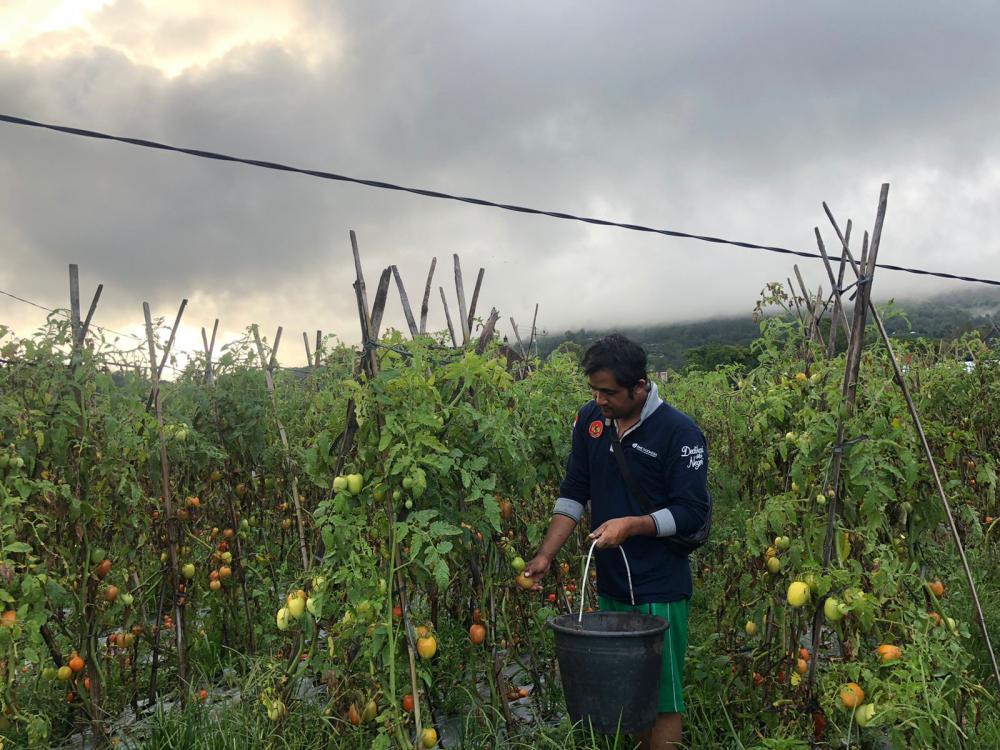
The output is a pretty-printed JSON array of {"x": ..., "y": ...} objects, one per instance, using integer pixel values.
[{"x": 357, "y": 588}]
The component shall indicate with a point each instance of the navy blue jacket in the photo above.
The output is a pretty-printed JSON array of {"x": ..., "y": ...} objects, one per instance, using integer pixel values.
[{"x": 668, "y": 457}]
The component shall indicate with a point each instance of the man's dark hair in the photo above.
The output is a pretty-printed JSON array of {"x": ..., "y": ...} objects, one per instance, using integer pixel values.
[{"x": 624, "y": 358}]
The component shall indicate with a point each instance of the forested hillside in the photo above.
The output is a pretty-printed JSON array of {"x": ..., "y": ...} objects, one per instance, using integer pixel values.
[{"x": 705, "y": 344}]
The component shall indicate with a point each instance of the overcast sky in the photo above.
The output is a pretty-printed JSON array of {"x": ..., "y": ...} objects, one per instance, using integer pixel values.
[{"x": 730, "y": 119}]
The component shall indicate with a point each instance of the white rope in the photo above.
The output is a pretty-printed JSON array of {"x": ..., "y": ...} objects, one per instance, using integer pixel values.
[{"x": 586, "y": 569}]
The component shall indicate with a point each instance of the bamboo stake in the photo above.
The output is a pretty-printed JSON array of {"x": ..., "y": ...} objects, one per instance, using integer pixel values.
[
  {"x": 410, "y": 322},
  {"x": 427, "y": 297},
  {"x": 915, "y": 416},
  {"x": 168, "y": 505},
  {"x": 447, "y": 317},
  {"x": 463, "y": 313},
  {"x": 287, "y": 459}
]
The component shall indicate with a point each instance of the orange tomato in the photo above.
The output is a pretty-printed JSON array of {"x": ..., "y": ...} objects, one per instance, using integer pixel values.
[
  {"x": 851, "y": 695},
  {"x": 477, "y": 634},
  {"x": 426, "y": 647},
  {"x": 888, "y": 652}
]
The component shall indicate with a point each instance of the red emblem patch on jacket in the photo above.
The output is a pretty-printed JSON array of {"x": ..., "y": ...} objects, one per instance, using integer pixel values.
[{"x": 596, "y": 428}]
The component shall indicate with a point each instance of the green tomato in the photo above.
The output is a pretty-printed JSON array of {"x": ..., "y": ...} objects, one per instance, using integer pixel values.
[
  {"x": 282, "y": 619},
  {"x": 864, "y": 714},
  {"x": 408, "y": 504},
  {"x": 354, "y": 483},
  {"x": 517, "y": 564},
  {"x": 833, "y": 609},
  {"x": 339, "y": 484}
]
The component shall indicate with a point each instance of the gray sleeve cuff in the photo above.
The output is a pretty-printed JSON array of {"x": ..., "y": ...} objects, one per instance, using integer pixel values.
[
  {"x": 569, "y": 508},
  {"x": 664, "y": 520}
]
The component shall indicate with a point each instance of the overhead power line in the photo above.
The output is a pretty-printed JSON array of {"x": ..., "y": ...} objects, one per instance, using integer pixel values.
[{"x": 463, "y": 199}]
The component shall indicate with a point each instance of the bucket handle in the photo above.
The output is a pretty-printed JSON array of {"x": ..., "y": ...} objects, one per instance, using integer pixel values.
[{"x": 586, "y": 569}]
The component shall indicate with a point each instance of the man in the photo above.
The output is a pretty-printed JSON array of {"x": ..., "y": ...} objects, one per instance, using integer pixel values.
[{"x": 666, "y": 454}]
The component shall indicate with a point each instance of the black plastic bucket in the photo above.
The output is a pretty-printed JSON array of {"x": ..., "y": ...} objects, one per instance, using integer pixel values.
[{"x": 610, "y": 665}]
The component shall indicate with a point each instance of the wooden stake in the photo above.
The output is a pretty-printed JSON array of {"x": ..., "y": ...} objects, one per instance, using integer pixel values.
[
  {"x": 410, "y": 322},
  {"x": 74, "y": 300},
  {"x": 319, "y": 345},
  {"x": 166, "y": 353},
  {"x": 838, "y": 308},
  {"x": 168, "y": 506},
  {"x": 487, "y": 334},
  {"x": 533, "y": 339},
  {"x": 309, "y": 356},
  {"x": 362, "y": 299},
  {"x": 372, "y": 362},
  {"x": 463, "y": 313},
  {"x": 795, "y": 301},
  {"x": 269, "y": 380},
  {"x": 810, "y": 308},
  {"x": 379, "y": 306},
  {"x": 849, "y": 391},
  {"x": 517, "y": 335},
  {"x": 915, "y": 417},
  {"x": 273, "y": 361},
  {"x": 90, "y": 315},
  {"x": 447, "y": 317},
  {"x": 427, "y": 297},
  {"x": 475, "y": 296},
  {"x": 209, "y": 348},
  {"x": 238, "y": 560}
]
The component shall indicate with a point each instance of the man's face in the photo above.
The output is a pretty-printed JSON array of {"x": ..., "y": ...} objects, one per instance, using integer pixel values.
[{"x": 614, "y": 399}]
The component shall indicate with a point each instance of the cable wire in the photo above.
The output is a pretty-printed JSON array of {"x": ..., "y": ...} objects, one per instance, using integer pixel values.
[{"x": 465, "y": 199}]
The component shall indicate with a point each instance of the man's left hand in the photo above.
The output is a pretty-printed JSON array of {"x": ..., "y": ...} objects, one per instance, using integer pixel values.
[{"x": 612, "y": 533}]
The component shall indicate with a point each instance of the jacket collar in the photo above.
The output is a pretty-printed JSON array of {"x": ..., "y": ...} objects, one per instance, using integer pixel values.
[{"x": 653, "y": 402}]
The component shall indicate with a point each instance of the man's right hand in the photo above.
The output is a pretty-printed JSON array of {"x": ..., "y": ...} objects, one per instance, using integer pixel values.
[{"x": 536, "y": 569}]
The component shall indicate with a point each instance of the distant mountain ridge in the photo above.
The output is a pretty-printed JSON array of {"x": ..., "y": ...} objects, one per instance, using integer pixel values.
[{"x": 706, "y": 343}]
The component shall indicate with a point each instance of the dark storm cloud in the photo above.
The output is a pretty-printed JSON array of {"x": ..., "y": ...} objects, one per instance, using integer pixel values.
[{"x": 728, "y": 119}]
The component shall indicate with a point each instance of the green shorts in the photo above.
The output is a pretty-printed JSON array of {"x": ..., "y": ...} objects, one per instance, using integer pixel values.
[{"x": 675, "y": 642}]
